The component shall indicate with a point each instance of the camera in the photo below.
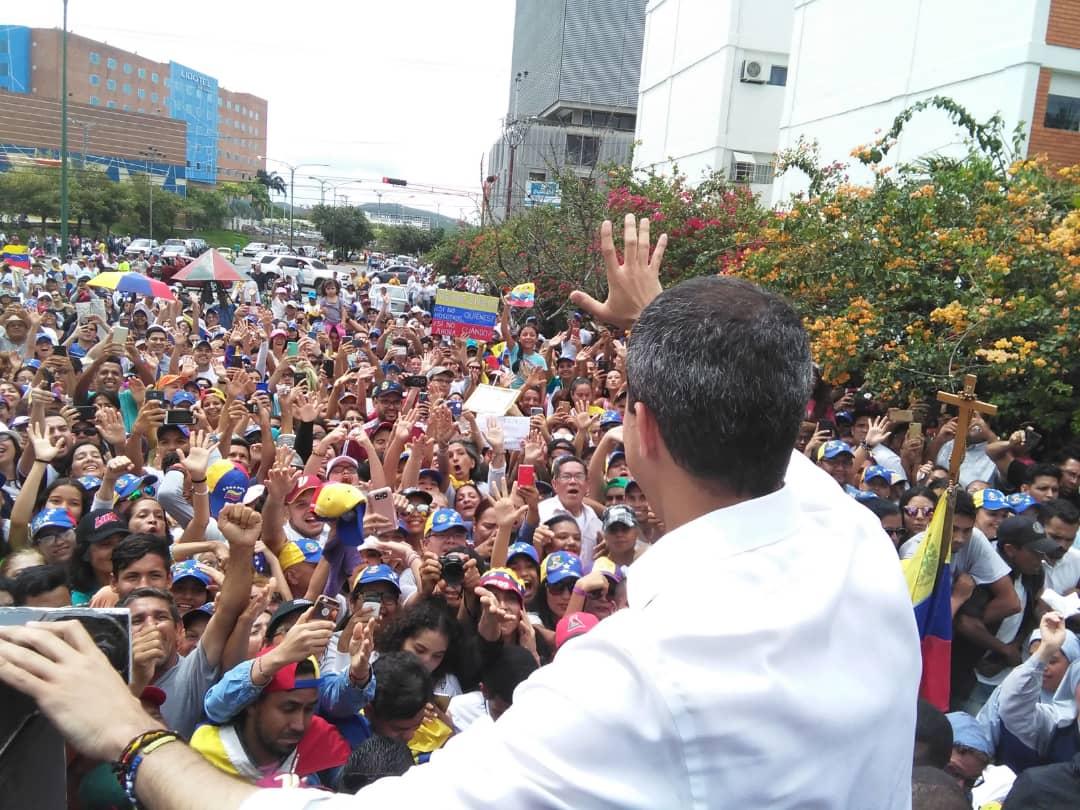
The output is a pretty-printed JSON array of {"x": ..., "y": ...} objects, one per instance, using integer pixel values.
[{"x": 453, "y": 568}]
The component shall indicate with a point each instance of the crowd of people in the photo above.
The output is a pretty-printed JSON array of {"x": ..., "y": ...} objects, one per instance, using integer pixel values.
[{"x": 335, "y": 569}]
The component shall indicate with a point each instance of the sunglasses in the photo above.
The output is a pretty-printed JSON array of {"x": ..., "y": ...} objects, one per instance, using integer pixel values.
[
  {"x": 417, "y": 509},
  {"x": 918, "y": 511},
  {"x": 565, "y": 586},
  {"x": 142, "y": 492}
]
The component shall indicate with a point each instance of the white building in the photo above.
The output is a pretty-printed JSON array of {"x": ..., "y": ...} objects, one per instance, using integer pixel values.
[
  {"x": 855, "y": 65},
  {"x": 712, "y": 87}
]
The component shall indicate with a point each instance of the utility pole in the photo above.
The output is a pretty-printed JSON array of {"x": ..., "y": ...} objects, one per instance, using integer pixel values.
[
  {"x": 151, "y": 153},
  {"x": 292, "y": 186},
  {"x": 514, "y": 135},
  {"x": 64, "y": 247}
]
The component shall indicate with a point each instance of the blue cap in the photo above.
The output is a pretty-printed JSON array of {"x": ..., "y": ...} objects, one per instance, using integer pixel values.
[
  {"x": 44, "y": 336},
  {"x": 391, "y": 368},
  {"x": 560, "y": 565},
  {"x": 91, "y": 483},
  {"x": 517, "y": 549},
  {"x": 833, "y": 449},
  {"x": 968, "y": 731},
  {"x": 377, "y": 573},
  {"x": 877, "y": 471},
  {"x": 128, "y": 484},
  {"x": 75, "y": 350},
  {"x": 1020, "y": 502},
  {"x": 33, "y": 363},
  {"x": 311, "y": 550},
  {"x": 992, "y": 500},
  {"x": 183, "y": 398},
  {"x": 189, "y": 569},
  {"x": 443, "y": 520},
  {"x": 375, "y": 332},
  {"x": 387, "y": 387},
  {"x": 54, "y": 517},
  {"x": 431, "y": 472},
  {"x": 202, "y": 610},
  {"x": 614, "y": 454},
  {"x": 611, "y": 418}
]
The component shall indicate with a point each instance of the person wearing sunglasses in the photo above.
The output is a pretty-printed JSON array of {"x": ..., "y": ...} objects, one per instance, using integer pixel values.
[
  {"x": 889, "y": 514},
  {"x": 916, "y": 508}
]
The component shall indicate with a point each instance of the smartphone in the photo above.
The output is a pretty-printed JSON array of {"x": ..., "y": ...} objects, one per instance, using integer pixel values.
[
  {"x": 155, "y": 396},
  {"x": 828, "y": 426},
  {"x": 179, "y": 416},
  {"x": 563, "y": 407},
  {"x": 442, "y": 701},
  {"x": 87, "y": 413},
  {"x": 526, "y": 475},
  {"x": 253, "y": 407},
  {"x": 372, "y": 607},
  {"x": 292, "y": 349},
  {"x": 536, "y": 411},
  {"x": 60, "y": 350},
  {"x": 236, "y": 361},
  {"x": 328, "y": 368},
  {"x": 423, "y": 399},
  {"x": 298, "y": 378},
  {"x": 897, "y": 416},
  {"x": 1031, "y": 438},
  {"x": 326, "y": 609},
  {"x": 119, "y": 335},
  {"x": 399, "y": 351},
  {"x": 914, "y": 430},
  {"x": 416, "y": 381},
  {"x": 455, "y": 406},
  {"x": 381, "y": 502}
]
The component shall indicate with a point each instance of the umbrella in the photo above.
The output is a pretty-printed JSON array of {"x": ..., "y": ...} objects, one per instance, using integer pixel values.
[
  {"x": 211, "y": 266},
  {"x": 132, "y": 282}
]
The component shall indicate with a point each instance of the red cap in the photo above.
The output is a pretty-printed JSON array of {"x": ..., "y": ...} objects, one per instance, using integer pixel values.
[
  {"x": 573, "y": 625},
  {"x": 303, "y": 485},
  {"x": 285, "y": 679}
]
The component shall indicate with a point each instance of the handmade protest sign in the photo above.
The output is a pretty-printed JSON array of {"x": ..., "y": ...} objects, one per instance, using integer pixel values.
[{"x": 466, "y": 315}]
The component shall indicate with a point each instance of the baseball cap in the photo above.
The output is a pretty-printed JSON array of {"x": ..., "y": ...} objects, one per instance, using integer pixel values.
[
  {"x": 387, "y": 387},
  {"x": 607, "y": 567},
  {"x": 130, "y": 486},
  {"x": 619, "y": 515},
  {"x": 504, "y": 579},
  {"x": 613, "y": 456},
  {"x": 376, "y": 573},
  {"x": 1023, "y": 533},
  {"x": 189, "y": 569},
  {"x": 1020, "y": 502},
  {"x": 54, "y": 517},
  {"x": 182, "y": 429},
  {"x": 560, "y": 565},
  {"x": 100, "y": 524},
  {"x": 336, "y": 499},
  {"x": 833, "y": 449},
  {"x": 992, "y": 500},
  {"x": 877, "y": 471},
  {"x": 573, "y": 625},
  {"x": 610, "y": 418},
  {"x": 286, "y": 678},
  {"x": 183, "y": 398},
  {"x": 298, "y": 551},
  {"x": 91, "y": 483},
  {"x": 616, "y": 483},
  {"x": 303, "y": 485},
  {"x": 206, "y": 609},
  {"x": 443, "y": 520},
  {"x": 435, "y": 371},
  {"x": 284, "y": 611},
  {"x": 518, "y": 549},
  {"x": 338, "y": 460},
  {"x": 416, "y": 492},
  {"x": 227, "y": 483},
  {"x": 431, "y": 472}
]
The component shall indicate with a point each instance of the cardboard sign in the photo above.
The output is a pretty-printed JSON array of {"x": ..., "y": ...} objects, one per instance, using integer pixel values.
[
  {"x": 491, "y": 399},
  {"x": 466, "y": 315}
]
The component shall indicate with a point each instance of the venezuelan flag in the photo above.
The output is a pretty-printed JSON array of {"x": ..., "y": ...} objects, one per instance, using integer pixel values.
[
  {"x": 16, "y": 256},
  {"x": 930, "y": 584},
  {"x": 523, "y": 295}
]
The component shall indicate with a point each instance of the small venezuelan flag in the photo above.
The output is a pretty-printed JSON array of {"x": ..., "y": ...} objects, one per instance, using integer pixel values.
[
  {"x": 523, "y": 295},
  {"x": 930, "y": 584},
  {"x": 16, "y": 256}
]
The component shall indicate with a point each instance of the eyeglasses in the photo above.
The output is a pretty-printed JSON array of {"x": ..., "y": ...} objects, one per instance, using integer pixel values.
[
  {"x": 562, "y": 586},
  {"x": 142, "y": 492},
  {"x": 918, "y": 511},
  {"x": 371, "y": 596},
  {"x": 970, "y": 782},
  {"x": 417, "y": 509},
  {"x": 579, "y": 477},
  {"x": 49, "y": 539}
]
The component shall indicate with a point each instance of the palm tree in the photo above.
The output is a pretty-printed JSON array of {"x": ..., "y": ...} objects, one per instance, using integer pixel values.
[{"x": 272, "y": 180}]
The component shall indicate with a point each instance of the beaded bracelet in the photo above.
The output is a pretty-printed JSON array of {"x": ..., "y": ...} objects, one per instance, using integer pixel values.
[{"x": 127, "y": 766}]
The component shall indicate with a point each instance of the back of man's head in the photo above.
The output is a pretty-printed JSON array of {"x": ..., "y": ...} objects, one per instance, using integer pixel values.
[
  {"x": 725, "y": 368},
  {"x": 933, "y": 736},
  {"x": 37, "y": 581},
  {"x": 136, "y": 546},
  {"x": 404, "y": 686},
  {"x": 933, "y": 789},
  {"x": 965, "y": 504},
  {"x": 374, "y": 758},
  {"x": 504, "y": 671},
  {"x": 1061, "y": 509}
]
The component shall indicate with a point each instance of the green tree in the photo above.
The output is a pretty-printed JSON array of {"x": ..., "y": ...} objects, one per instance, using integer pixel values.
[
  {"x": 34, "y": 192},
  {"x": 206, "y": 210},
  {"x": 167, "y": 207},
  {"x": 272, "y": 181},
  {"x": 344, "y": 227},
  {"x": 99, "y": 200},
  {"x": 406, "y": 239}
]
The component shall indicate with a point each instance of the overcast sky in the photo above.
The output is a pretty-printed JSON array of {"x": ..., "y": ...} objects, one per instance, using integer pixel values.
[{"x": 406, "y": 88}]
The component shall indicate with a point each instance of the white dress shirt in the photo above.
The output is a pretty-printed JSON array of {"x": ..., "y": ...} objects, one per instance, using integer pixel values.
[
  {"x": 768, "y": 658},
  {"x": 587, "y": 522}
]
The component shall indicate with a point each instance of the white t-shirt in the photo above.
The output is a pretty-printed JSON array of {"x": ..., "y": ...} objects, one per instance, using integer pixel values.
[
  {"x": 978, "y": 558},
  {"x": 1066, "y": 574},
  {"x": 976, "y": 466},
  {"x": 467, "y": 709}
]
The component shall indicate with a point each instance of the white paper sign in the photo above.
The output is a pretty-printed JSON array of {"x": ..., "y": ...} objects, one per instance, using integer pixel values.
[
  {"x": 490, "y": 399},
  {"x": 515, "y": 431},
  {"x": 1065, "y": 605}
]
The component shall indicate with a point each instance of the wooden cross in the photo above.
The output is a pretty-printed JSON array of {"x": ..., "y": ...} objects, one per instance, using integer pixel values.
[{"x": 967, "y": 404}]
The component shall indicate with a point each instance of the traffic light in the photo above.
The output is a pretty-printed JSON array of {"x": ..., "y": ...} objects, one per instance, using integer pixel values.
[{"x": 394, "y": 181}]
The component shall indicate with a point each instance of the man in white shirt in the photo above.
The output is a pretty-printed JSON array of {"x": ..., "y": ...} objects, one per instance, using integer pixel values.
[
  {"x": 569, "y": 478},
  {"x": 790, "y": 681},
  {"x": 1060, "y": 520}
]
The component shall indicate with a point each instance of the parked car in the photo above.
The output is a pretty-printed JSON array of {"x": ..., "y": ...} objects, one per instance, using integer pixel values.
[
  {"x": 226, "y": 252},
  {"x": 141, "y": 247},
  {"x": 196, "y": 247},
  {"x": 304, "y": 272},
  {"x": 399, "y": 271},
  {"x": 399, "y": 297},
  {"x": 252, "y": 248},
  {"x": 174, "y": 247}
]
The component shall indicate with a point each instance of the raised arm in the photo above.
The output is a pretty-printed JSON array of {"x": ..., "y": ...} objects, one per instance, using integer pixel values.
[{"x": 241, "y": 526}]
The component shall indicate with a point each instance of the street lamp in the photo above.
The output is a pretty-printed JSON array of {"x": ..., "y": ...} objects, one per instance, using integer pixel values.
[
  {"x": 292, "y": 186},
  {"x": 150, "y": 153},
  {"x": 64, "y": 247}
]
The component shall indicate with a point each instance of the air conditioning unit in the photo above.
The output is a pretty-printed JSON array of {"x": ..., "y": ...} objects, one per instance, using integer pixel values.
[{"x": 753, "y": 72}]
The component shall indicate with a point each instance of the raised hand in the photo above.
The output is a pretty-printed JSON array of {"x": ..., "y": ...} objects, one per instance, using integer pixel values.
[
  {"x": 494, "y": 434},
  {"x": 878, "y": 431},
  {"x": 240, "y": 525},
  {"x": 631, "y": 285},
  {"x": 197, "y": 458},
  {"x": 110, "y": 425},
  {"x": 507, "y": 512},
  {"x": 44, "y": 450},
  {"x": 307, "y": 637},
  {"x": 360, "y": 646}
]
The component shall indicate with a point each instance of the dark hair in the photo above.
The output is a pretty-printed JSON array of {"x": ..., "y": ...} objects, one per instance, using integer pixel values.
[
  {"x": 729, "y": 410},
  {"x": 1042, "y": 469},
  {"x": 1061, "y": 509},
  {"x": 136, "y": 546},
  {"x": 506, "y": 669},
  {"x": 562, "y": 461},
  {"x": 374, "y": 758},
  {"x": 431, "y": 613},
  {"x": 933, "y": 736},
  {"x": 152, "y": 593},
  {"x": 405, "y": 687},
  {"x": 36, "y": 580},
  {"x": 964, "y": 505},
  {"x": 918, "y": 492},
  {"x": 43, "y": 496},
  {"x": 881, "y": 507},
  {"x": 933, "y": 789}
]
